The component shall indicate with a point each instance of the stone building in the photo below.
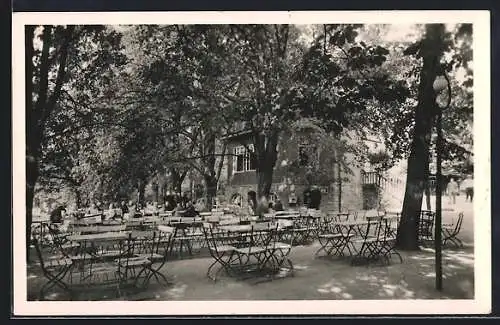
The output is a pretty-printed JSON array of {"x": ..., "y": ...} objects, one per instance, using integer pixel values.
[{"x": 353, "y": 183}]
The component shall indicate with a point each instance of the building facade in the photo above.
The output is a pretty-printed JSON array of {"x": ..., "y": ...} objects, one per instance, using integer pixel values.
[{"x": 300, "y": 155}]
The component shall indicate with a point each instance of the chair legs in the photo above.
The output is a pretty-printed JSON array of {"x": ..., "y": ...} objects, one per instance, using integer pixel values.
[{"x": 451, "y": 237}]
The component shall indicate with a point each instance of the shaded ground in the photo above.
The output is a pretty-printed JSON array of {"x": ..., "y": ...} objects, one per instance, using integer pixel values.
[{"x": 314, "y": 279}]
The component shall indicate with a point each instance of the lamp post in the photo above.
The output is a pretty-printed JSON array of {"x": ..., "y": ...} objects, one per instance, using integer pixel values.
[{"x": 440, "y": 83}]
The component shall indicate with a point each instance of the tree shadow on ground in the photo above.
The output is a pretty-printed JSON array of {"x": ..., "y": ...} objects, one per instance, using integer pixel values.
[{"x": 414, "y": 278}]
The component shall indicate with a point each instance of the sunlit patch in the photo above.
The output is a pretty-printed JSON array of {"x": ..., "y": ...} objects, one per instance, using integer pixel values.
[
  {"x": 363, "y": 278},
  {"x": 461, "y": 258},
  {"x": 409, "y": 294},
  {"x": 346, "y": 295},
  {"x": 300, "y": 267},
  {"x": 336, "y": 290},
  {"x": 32, "y": 276},
  {"x": 177, "y": 291},
  {"x": 322, "y": 290}
]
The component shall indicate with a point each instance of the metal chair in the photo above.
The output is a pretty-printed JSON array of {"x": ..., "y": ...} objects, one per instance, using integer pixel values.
[
  {"x": 451, "y": 231},
  {"x": 54, "y": 268}
]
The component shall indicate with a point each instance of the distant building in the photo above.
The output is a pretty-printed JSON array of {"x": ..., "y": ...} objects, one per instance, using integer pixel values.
[{"x": 361, "y": 188}]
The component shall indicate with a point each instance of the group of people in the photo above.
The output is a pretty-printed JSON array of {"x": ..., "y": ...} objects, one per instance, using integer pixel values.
[
  {"x": 453, "y": 189},
  {"x": 312, "y": 200}
]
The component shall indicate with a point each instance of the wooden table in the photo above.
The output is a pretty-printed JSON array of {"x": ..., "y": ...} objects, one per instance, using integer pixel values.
[{"x": 100, "y": 236}]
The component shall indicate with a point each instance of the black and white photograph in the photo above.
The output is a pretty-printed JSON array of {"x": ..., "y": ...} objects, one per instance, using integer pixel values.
[{"x": 290, "y": 165}]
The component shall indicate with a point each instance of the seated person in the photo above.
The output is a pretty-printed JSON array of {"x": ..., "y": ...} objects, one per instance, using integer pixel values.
[
  {"x": 178, "y": 211},
  {"x": 57, "y": 215},
  {"x": 191, "y": 211},
  {"x": 124, "y": 208},
  {"x": 278, "y": 206}
]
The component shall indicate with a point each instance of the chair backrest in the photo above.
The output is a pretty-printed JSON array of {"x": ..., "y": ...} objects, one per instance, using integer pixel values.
[
  {"x": 216, "y": 237},
  {"x": 39, "y": 253},
  {"x": 374, "y": 228},
  {"x": 458, "y": 224},
  {"x": 165, "y": 235}
]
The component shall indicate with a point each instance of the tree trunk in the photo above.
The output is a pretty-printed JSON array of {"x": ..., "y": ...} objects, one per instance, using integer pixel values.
[
  {"x": 78, "y": 197},
  {"x": 265, "y": 150},
  {"x": 31, "y": 131},
  {"x": 177, "y": 179},
  {"x": 339, "y": 178},
  {"x": 141, "y": 190},
  {"x": 156, "y": 191},
  {"x": 264, "y": 180},
  {"x": 418, "y": 160},
  {"x": 211, "y": 193},
  {"x": 31, "y": 178}
]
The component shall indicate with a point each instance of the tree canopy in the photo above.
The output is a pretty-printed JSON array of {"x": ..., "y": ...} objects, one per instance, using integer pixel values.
[{"x": 112, "y": 108}]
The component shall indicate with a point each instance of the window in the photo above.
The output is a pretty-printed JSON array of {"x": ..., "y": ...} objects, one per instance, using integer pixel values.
[
  {"x": 308, "y": 155},
  {"x": 243, "y": 160}
]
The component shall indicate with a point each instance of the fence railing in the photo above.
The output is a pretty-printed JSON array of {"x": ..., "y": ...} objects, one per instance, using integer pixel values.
[{"x": 376, "y": 178}]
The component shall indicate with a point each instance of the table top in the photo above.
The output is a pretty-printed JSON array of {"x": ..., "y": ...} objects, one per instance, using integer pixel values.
[
  {"x": 285, "y": 212},
  {"x": 287, "y": 216},
  {"x": 351, "y": 223},
  {"x": 237, "y": 228},
  {"x": 185, "y": 223},
  {"x": 100, "y": 236}
]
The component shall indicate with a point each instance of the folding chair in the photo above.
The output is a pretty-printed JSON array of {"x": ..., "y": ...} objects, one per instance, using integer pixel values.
[
  {"x": 388, "y": 240},
  {"x": 54, "y": 269},
  {"x": 152, "y": 246},
  {"x": 451, "y": 231},
  {"x": 370, "y": 242},
  {"x": 220, "y": 250},
  {"x": 279, "y": 251},
  {"x": 330, "y": 239},
  {"x": 98, "y": 262},
  {"x": 254, "y": 255}
]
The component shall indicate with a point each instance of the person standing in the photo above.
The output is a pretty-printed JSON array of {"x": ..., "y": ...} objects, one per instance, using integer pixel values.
[
  {"x": 252, "y": 202},
  {"x": 468, "y": 185},
  {"x": 453, "y": 190}
]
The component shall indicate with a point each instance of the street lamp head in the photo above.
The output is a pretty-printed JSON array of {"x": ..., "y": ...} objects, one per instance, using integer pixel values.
[{"x": 440, "y": 84}]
